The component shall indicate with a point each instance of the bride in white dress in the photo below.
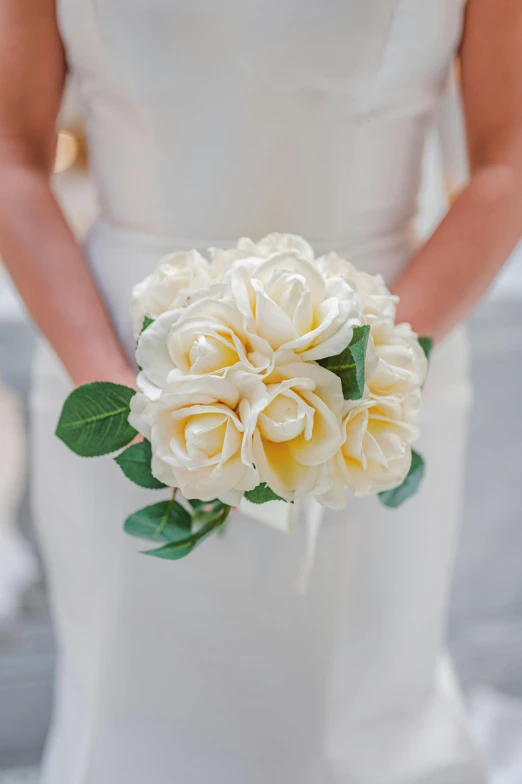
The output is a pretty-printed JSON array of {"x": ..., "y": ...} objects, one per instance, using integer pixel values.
[{"x": 207, "y": 121}]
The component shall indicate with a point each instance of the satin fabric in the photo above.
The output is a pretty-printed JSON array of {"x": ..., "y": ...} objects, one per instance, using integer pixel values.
[{"x": 208, "y": 121}]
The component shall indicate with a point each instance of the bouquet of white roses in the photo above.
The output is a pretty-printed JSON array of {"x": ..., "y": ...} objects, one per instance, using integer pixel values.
[{"x": 265, "y": 373}]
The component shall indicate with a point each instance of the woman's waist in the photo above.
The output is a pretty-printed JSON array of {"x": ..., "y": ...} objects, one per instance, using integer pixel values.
[
  {"x": 381, "y": 250},
  {"x": 120, "y": 257}
]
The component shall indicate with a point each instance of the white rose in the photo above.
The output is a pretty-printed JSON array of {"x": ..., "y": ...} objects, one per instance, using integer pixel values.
[
  {"x": 378, "y": 300},
  {"x": 171, "y": 285},
  {"x": 289, "y": 303},
  {"x": 276, "y": 243},
  {"x": 197, "y": 439},
  {"x": 292, "y": 425},
  {"x": 402, "y": 366},
  {"x": 207, "y": 337},
  {"x": 221, "y": 259},
  {"x": 376, "y": 453}
]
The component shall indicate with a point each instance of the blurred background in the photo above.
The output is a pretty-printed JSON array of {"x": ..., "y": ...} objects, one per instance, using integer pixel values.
[{"x": 485, "y": 622}]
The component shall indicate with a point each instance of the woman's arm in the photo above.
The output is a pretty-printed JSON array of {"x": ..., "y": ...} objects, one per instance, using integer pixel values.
[
  {"x": 37, "y": 246},
  {"x": 454, "y": 269}
]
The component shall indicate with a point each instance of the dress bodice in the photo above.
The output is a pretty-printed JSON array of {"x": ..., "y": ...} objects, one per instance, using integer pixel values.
[{"x": 210, "y": 120}]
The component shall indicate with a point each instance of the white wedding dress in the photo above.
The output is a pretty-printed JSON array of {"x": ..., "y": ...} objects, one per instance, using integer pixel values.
[{"x": 207, "y": 121}]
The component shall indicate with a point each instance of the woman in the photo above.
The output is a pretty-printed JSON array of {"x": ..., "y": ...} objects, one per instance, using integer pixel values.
[{"x": 208, "y": 121}]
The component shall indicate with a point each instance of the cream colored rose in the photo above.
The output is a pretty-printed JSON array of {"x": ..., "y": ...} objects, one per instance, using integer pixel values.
[
  {"x": 276, "y": 243},
  {"x": 376, "y": 453},
  {"x": 197, "y": 439},
  {"x": 221, "y": 259},
  {"x": 207, "y": 337},
  {"x": 402, "y": 366},
  {"x": 378, "y": 301},
  {"x": 288, "y": 303},
  {"x": 292, "y": 424},
  {"x": 176, "y": 278}
]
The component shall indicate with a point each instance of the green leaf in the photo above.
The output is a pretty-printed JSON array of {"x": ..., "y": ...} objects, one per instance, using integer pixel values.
[
  {"x": 179, "y": 548},
  {"x": 208, "y": 512},
  {"x": 135, "y": 464},
  {"x": 146, "y": 323},
  {"x": 165, "y": 521},
  {"x": 174, "y": 551},
  {"x": 94, "y": 419},
  {"x": 349, "y": 364},
  {"x": 262, "y": 494},
  {"x": 396, "y": 497},
  {"x": 426, "y": 345}
]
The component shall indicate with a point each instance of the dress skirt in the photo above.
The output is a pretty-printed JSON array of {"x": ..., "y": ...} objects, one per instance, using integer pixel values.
[{"x": 216, "y": 669}]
